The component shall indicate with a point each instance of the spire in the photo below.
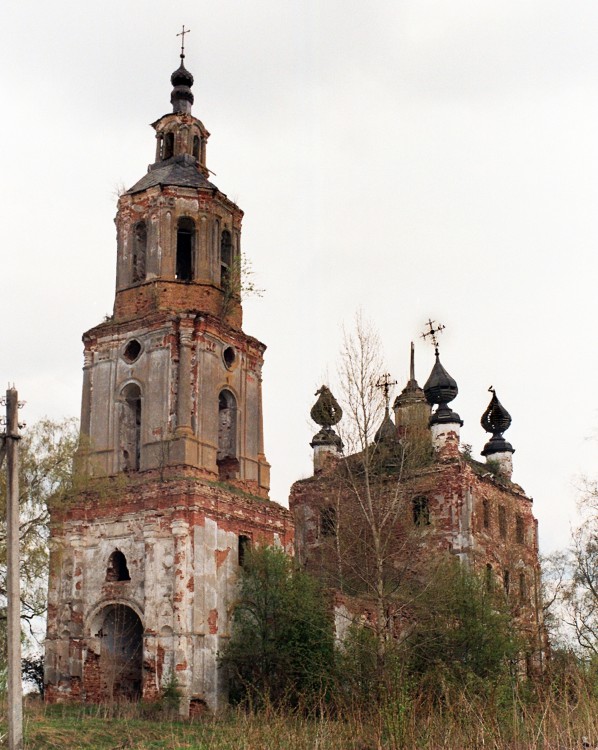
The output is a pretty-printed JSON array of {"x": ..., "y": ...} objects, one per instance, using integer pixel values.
[
  {"x": 181, "y": 97},
  {"x": 411, "y": 393}
]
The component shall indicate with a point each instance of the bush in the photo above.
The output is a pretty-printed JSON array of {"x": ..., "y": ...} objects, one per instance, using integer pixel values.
[{"x": 282, "y": 647}]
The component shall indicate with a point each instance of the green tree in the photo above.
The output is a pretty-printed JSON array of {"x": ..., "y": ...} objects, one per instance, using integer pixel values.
[
  {"x": 462, "y": 633},
  {"x": 282, "y": 647},
  {"x": 46, "y": 453}
]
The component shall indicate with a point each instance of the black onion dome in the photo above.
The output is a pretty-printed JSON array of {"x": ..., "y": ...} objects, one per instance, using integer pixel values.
[
  {"x": 326, "y": 411},
  {"x": 181, "y": 76},
  {"x": 440, "y": 387},
  {"x": 496, "y": 419},
  {"x": 181, "y": 97}
]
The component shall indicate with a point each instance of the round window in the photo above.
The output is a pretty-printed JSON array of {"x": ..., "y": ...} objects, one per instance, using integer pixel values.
[
  {"x": 132, "y": 350},
  {"x": 230, "y": 357}
]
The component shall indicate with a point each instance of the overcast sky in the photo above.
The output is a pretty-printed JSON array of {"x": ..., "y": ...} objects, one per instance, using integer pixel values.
[{"x": 411, "y": 158}]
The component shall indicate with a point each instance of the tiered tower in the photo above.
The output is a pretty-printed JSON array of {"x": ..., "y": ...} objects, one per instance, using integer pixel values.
[{"x": 143, "y": 564}]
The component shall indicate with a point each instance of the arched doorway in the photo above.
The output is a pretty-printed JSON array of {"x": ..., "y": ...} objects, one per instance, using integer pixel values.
[{"x": 121, "y": 653}]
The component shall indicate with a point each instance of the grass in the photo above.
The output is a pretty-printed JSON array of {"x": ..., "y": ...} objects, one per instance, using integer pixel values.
[{"x": 555, "y": 723}]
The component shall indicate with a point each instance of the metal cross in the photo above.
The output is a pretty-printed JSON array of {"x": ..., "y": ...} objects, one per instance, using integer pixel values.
[
  {"x": 433, "y": 333},
  {"x": 386, "y": 384},
  {"x": 182, "y": 35}
]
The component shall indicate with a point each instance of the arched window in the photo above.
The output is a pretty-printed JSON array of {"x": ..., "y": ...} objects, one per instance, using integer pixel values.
[
  {"x": 139, "y": 251},
  {"x": 168, "y": 145},
  {"x": 486, "y": 513},
  {"x": 117, "y": 567},
  {"x": 185, "y": 247},
  {"x": 244, "y": 547},
  {"x": 226, "y": 258},
  {"x": 328, "y": 521},
  {"x": 421, "y": 511},
  {"x": 522, "y": 588},
  {"x": 196, "y": 146},
  {"x": 130, "y": 428},
  {"x": 227, "y": 425}
]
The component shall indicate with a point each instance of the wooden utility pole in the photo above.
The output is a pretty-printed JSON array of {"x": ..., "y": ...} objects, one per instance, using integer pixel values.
[{"x": 10, "y": 449}]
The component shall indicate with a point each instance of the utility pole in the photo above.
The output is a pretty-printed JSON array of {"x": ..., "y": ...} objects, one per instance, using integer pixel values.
[{"x": 10, "y": 449}]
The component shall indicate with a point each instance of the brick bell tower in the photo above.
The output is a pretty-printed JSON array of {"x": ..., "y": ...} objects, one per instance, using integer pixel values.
[{"x": 144, "y": 561}]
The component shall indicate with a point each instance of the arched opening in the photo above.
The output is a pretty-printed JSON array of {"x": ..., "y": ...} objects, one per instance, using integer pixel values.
[
  {"x": 228, "y": 465},
  {"x": 244, "y": 547},
  {"x": 421, "y": 511},
  {"x": 185, "y": 245},
  {"x": 130, "y": 438},
  {"x": 139, "y": 251},
  {"x": 226, "y": 258},
  {"x": 121, "y": 653},
  {"x": 168, "y": 145},
  {"x": 117, "y": 569},
  {"x": 328, "y": 521},
  {"x": 196, "y": 147}
]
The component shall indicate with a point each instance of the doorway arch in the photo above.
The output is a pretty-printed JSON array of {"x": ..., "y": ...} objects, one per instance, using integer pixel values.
[{"x": 120, "y": 634}]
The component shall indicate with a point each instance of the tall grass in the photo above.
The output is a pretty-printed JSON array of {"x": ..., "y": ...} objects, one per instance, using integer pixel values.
[{"x": 550, "y": 720}]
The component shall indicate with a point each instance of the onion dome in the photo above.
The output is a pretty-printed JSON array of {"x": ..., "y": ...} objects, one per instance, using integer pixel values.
[
  {"x": 181, "y": 97},
  {"x": 496, "y": 419},
  {"x": 441, "y": 388},
  {"x": 326, "y": 411}
]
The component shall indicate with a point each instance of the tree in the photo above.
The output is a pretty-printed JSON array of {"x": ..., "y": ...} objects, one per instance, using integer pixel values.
[
  {"x": 281, "y": 648},
  {"x": 579, "y": 592},
  {"x": 371, "y": 550},
  {"x": 462, "y": 633},
  {"x": 46, "y": 454}
]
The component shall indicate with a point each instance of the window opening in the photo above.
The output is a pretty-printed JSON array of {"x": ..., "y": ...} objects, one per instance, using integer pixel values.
[
  {"x": 506, "y": 579},
  {"x": 139, "y": 251},
  {"x": 131, "y": 428},
  {"x": 244, "y": 547},
  {"x": 226, "y": 257},
  {"x": 486, "y": 513},
  {"x": 185, "y": 241},
  {"x": 229, "y": 356},
  {"x": 502, "y": 521},
  {"x": 117, "y": 567},
  {"x": 421, "y": 511},
  {"x": 228, "y": 465},
  {"x": 488, "y": 577},
  {"x": 168, "y": 145},
  {"x": 328, "y": 521},
  {"x": 196, "y": 146},
  {"x": 522, "y": 588},
  {"x": 519, "y": 530},
  {"x": 132, "y": 351}
]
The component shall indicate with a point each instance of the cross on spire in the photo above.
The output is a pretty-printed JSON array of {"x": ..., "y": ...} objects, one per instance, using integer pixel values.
[
  {"x": 182, "y": 35},
  {"x": 385, "y": 383},
  {"x": 433, "y": 333}
]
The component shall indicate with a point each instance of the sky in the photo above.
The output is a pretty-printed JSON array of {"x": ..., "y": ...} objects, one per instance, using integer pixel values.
[{"x": 411, "y": 159}]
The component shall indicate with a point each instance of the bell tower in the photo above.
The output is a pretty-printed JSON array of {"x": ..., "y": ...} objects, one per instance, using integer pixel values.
[
  {"x": 170, "y": 378},
  {"x": 145, "y": 558}
]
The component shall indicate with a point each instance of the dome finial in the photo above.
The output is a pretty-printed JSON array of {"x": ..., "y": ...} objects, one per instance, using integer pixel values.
[
  {"x": 182, "y": 80},
  {"x": 182, "y": 35}
]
